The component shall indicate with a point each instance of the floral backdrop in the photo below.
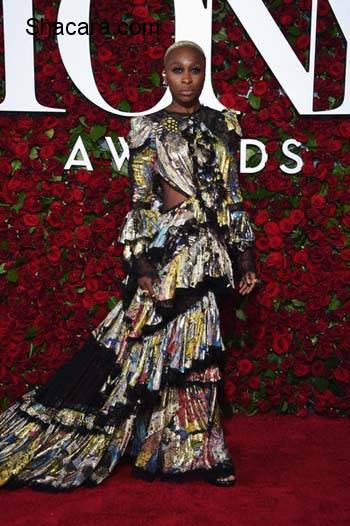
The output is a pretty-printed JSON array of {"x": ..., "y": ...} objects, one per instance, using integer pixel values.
[{"x": 61, "y": 266}]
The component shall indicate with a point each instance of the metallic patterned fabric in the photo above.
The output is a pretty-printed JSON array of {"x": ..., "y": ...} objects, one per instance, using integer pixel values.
[
  {"x": 145, "y": 383},
  {"x": 196, "y": 155}
]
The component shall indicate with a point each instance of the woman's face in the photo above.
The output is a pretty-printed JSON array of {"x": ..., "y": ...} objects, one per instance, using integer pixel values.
[{"x": 185, "y": 73}]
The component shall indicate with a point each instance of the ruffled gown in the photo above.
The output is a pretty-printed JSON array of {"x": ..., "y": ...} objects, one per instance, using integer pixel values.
[{"x": 145, "y": 382}]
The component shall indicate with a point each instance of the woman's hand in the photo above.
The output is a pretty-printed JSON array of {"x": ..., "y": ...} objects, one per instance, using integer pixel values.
[
  {"x": 146, "y": 283},
  {"x": 247, "y": 283}
]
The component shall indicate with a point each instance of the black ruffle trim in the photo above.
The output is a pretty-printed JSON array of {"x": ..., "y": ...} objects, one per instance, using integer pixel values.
[
  {"x": 77, "y": 383},
  {"x": 139, "y": 397},
  {"x": 220, "y": 470},
  {"x": 223, "y": 469},
  {"x": 183, "y": 299}
]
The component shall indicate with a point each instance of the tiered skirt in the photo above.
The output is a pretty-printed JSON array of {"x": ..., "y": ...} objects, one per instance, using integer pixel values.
[{"x": 144, "y": 384}]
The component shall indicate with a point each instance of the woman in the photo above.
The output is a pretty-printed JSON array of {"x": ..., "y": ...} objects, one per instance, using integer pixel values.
[{"x": 145, "y": 382}]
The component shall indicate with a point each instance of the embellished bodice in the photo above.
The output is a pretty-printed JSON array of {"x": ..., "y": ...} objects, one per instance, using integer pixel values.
[
  {"x": 195, "y": 154},
  {"x": 207, "y": 136}
]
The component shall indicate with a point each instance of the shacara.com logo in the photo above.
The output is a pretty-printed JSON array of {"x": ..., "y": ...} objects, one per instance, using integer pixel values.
[{"x": 44, "y": 28}]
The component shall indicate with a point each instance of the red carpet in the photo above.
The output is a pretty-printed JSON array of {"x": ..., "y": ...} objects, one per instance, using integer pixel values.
[{"x": 290, "y": 471}]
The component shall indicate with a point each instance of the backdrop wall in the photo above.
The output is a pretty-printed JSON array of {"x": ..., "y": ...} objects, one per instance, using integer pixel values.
[{"x": 61, "y": 266}]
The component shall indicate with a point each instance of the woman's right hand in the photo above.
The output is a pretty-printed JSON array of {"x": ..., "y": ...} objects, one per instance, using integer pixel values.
[{"x": 146, "y": 283}]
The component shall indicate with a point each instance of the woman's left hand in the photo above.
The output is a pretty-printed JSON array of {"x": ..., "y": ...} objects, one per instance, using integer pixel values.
[{"x": 247, "y": 283}]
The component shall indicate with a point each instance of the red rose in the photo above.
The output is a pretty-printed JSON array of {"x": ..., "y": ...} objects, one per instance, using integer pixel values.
[
  {"x": 280, "y": 343},
  {"x": 275, "y": 242},
  {"x": 296, "y": 216},
  {"x": 155, "y": 52},
  {"x": 341, "y": 374},
  {"x": 229, "y": 389},
  {"x": 271, "y": 290},
  {"x": 303, "y": 42},
  {"x": 345, "y": 254},
  {"x": 53, "y": 255},
  {"x": 300, "y": 257},
  {"x": 318, "y": 368},
  {"x": 21, "y": 149},
  {"x": 31, "y": 220},
  {"x": 254, "y": 382},
  {"x": 286, "y": 225},
  {"x": 301, "y": 369},
  {"x": 261, "y": 217},
  {"x": 271, "y": 228},
  {"x": 344, "y": 128},
  {"x": 101, "y": 296},
  {"x": 47, "y": 151},
  {"x": 244, "y": 367},
  {"x": 260, "y": 87},
  {"x": 336, "y": 69},
  {"x": 104, "y": 54},
  {"x": 246, "y": 50},
  {"x": 82, "y": 233}
]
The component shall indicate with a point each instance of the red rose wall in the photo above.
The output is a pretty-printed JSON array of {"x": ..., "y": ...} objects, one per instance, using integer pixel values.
[{"x": 61, "y": 265}]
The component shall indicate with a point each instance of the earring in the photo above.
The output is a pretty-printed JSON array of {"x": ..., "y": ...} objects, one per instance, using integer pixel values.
[{"x": 164, "y": 81}]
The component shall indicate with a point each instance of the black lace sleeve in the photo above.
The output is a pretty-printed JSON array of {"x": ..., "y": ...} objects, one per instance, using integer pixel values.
[
  {"x": 243, "y": 260},
  {"x": 144, "y": 267}
]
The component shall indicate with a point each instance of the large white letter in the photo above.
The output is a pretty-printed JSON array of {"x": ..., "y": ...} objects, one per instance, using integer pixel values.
[
  {"x": 78, "y": 147},
  {"x": 19, "y": 59},
  {"x": 243, "y": 161},
  {"x": 270, "y": 41},
  {"x": 298, "y": 160},
  {"x": 192, "y": 22}
]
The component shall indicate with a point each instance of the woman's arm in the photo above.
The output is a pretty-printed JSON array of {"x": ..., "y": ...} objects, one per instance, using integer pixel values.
[
  {"x": 241, "y": 237},
  {"x": 141, "y": 222}
]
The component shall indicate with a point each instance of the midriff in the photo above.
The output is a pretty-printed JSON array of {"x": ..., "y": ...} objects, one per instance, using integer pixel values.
[{"x": 171, "y": 197}]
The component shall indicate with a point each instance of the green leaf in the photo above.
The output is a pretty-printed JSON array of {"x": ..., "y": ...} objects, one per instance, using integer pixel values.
[
  {"x": 111, "y": 303},
  {"x": 276, "y": 3},
  {"x": 31, "y": 332},
  {"x": 124, "y": 105},
  {"x": 155, "y": 78},
  {"x": 33, "y": 153},
  {"x": 254, "y": 101},
  {"x": 251, "y": 151},
  {"x": 50, "y": 133},
  {"x": 16, "y": 164},
  {"x": 320, "y": 382},
  {"x": 311, "y": 143},
  {"x": 2, "y": 268},
  {"x": 31, "y": 350},
  {"x": 324, "y": 189},
  {"x": 141, "y": 89},
  {"x": 12, "y": 275},
  {"x": 294, "y": 200},
  {"x": 20, "y": 202},
  {"x": 240, "y": 314},
  {"x": 335, "y": 303},
  {"x": 298, "y": 303},
  {"x": 270, "y": 373},
  {"x": 220, "y": 35},
  {"x": 284, "y": 406},
  {"x": 294, "y": 31},
  {"x": 336, "y": 387},
  {"x": 82, "y": 119},
  {"x": 97, "y": 132},
  {"x": 273, "y": 357},
  {"x": 242, "y": 72},
  {"x": 64, "y": 278}
]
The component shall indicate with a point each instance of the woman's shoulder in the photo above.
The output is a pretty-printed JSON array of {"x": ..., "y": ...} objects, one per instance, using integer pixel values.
[
  {"x": 141, "y": 129},
  {"x": 225, "y": 120}
]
